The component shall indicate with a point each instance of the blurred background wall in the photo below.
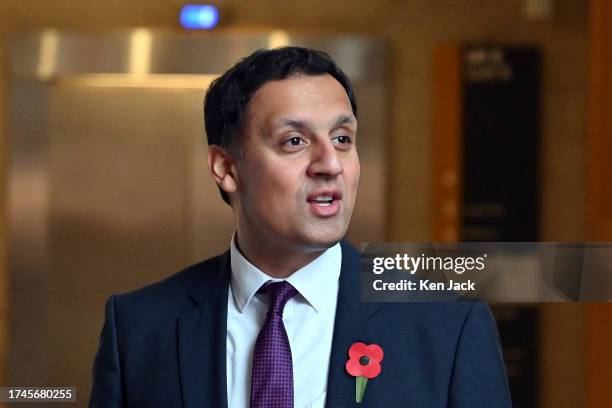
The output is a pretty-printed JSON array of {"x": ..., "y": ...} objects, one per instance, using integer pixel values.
[{"x": 413, "y": 28}]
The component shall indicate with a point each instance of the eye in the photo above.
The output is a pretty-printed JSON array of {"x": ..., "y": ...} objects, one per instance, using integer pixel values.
[
  {"x": 342, "y": 139},
  {"x": 294, "y": 141}
]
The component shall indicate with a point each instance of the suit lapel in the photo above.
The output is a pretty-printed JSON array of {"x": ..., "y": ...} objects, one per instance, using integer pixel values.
[
  {"x": 351, "y": 325},
  {"x": 202, "y": 335}
]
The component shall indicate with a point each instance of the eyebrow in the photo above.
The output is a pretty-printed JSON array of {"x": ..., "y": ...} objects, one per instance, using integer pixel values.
[
  {"x": 344, "y": 119},
  {"x": 303, "y": 124}
]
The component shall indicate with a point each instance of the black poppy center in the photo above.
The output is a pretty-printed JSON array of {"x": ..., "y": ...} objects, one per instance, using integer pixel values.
[{"x": 365, "y": 360}]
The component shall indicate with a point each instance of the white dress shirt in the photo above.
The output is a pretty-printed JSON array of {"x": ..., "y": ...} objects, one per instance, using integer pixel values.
[{"x": 308, "y": 317}]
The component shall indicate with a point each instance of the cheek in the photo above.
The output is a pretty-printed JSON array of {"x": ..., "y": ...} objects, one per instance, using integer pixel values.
[
  {"x": 274, "y": 185},
  {"x": 353, "y": 171}
]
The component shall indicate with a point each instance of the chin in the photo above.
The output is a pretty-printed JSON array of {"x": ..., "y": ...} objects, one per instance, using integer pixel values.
[{"x": 323, "y": 239}]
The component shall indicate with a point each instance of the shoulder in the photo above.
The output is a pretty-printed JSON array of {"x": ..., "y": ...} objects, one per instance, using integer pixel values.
[{"x": 172, "y": 295}]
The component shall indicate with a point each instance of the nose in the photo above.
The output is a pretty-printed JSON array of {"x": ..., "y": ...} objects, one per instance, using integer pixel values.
[{"x": 325, "y": 161}]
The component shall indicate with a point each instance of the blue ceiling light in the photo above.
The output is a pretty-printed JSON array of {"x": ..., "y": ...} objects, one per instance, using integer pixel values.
[{"x": 199, "y": 16}]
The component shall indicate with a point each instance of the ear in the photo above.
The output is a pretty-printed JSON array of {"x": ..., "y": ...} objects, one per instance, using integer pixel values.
[{"x": 222, "y": 168}]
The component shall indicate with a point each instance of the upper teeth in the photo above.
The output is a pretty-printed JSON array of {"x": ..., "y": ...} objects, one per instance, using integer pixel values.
[{"x": 324, "y": 198}]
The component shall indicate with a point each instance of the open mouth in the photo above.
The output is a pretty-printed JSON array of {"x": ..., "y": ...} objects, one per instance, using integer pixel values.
[
  {"x": 323, "y": 200},
  {"x": 325, "y": 203}
]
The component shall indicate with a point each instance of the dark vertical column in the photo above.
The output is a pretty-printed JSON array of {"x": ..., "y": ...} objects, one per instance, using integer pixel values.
[{"x": 501, "y": 88}]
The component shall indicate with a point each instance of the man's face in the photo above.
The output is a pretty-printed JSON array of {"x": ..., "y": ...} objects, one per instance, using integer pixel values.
[{"x": 297, "y": 182}]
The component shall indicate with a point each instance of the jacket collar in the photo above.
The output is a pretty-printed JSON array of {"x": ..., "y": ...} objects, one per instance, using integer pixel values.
[{"x": 202, "y": 338}]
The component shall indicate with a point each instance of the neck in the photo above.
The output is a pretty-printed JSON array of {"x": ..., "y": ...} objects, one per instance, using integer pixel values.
[{"x": 276, "y": 261}]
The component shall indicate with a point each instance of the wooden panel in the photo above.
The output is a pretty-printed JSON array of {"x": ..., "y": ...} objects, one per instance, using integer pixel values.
[
  {"x": 599, "y": 316},
  {"x": 600, "y": 123},
  {"x": 599, "y": 355},
  {"x": 446, "y": 144}
]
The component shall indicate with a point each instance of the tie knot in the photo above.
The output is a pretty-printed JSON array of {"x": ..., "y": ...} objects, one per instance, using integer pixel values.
[{"x": 280, "y": 293}]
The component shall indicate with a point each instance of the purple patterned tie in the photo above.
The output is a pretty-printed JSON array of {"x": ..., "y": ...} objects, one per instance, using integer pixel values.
[{"x": 272, "y": 377}]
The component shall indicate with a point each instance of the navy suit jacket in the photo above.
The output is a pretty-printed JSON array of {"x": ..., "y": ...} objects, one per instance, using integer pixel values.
[{"x": 164, "y": 346}]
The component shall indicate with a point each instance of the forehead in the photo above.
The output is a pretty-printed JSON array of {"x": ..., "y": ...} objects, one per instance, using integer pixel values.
[{"x": 304, "y": 97}]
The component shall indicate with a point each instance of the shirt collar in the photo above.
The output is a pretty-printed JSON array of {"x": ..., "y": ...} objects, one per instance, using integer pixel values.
[{"x": 316, "y": 282}]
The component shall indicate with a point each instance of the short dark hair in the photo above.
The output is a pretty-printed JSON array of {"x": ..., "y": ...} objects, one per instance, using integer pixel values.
[{"x": 228, "y": 96}]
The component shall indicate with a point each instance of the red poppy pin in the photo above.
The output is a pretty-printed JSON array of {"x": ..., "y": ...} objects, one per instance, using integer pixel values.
[{"x": 363, "y": 364}]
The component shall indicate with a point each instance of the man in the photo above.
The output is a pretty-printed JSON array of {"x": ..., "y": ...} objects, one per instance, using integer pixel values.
[{"x": 270, "y": 322}]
